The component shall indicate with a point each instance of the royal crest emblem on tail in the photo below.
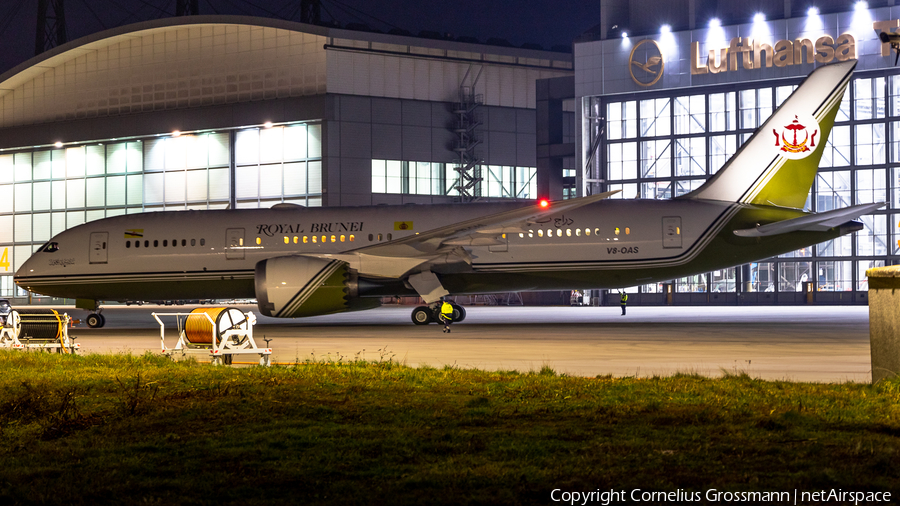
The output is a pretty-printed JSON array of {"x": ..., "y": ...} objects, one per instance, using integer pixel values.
[{"x": 797, "y": 140}]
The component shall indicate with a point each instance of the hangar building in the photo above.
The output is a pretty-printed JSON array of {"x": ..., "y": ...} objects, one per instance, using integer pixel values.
[
  {"x": 667, "y": 94},
  {"x": 212, "y": 112}
]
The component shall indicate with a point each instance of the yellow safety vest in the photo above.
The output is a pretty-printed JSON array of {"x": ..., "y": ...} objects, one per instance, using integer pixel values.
[
  {"x": 447, "y": 310},
  {"x": 624, "y": 298}
]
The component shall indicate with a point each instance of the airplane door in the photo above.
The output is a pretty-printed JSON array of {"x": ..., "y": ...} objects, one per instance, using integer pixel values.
[
  {"x": 99, "y": 242},
  {"x": 671, "y": 231},
  {"x": 500, "y": 248},
  {"x": 234, "y": 244}
]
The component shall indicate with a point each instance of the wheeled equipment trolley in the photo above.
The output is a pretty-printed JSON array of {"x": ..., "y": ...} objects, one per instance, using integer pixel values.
[
  {"x": 38, "y": 329},
  {"x": 217, "y": 332}
]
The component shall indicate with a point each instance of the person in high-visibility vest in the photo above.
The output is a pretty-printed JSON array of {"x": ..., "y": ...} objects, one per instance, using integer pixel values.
[
  {"x": 447, "y": 315},
  {"x": 623, "y": 300}
]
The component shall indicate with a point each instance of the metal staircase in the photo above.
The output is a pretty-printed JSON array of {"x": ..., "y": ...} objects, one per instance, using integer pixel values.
[{"x": 466, "y": 127}]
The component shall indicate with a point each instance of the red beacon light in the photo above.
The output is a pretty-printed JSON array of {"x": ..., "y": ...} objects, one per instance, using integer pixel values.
[{"x": 544, "y": 203}]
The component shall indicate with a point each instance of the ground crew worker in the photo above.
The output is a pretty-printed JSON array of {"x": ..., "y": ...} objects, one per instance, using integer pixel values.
[
  {"x": 447, "y": 315},
  {"x": 623, "y": 300}
]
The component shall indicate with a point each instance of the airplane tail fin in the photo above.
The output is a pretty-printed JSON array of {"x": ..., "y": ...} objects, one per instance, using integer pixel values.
[{"x": 777, "y": 165}]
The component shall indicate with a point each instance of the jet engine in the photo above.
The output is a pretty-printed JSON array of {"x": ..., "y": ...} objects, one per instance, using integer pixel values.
[{"x": 294, "y": 286}]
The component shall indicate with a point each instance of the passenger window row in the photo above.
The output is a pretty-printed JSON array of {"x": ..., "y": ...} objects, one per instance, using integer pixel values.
[
  {"x": 315, "y": 239},
  {"x": 165, "y": 243},
  {"x": 578, "y": 232},
  {"x": 322, "y": 239}
]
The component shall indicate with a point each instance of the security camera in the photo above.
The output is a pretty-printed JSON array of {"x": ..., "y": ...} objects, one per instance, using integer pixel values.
[
  {"x": 893, "y": 39},
  {"x": 889, "y": 37}
]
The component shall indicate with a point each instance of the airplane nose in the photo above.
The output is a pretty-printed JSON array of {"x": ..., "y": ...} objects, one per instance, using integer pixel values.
[
  {"x": 25, "y": 270},
  {"x": 21, "y": 271}
]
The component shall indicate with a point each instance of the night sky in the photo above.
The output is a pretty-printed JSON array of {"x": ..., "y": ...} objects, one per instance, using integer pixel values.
[{"x": 543, "y": 22}]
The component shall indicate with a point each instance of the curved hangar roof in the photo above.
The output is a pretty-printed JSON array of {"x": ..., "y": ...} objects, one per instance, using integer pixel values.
[
  {"x": 165, "y": 64},
  {"x": 197, "y": 61}
]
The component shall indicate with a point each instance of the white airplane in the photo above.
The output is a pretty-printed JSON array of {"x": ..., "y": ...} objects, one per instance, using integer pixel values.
[{"x": 300, "y": 261}]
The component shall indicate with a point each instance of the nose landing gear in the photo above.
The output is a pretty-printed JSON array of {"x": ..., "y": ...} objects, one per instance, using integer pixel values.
[{"x": 96, "y": 320}]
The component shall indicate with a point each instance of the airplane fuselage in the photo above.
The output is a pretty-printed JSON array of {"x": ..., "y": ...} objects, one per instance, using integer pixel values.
[{"x": 213, "y": 254}]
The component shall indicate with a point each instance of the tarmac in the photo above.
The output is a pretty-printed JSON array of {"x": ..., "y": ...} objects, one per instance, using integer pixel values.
[{"x": 793, "y": 343}]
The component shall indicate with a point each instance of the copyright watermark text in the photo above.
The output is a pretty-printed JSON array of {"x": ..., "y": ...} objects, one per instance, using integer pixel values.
[{"x": 613, "y": 496}]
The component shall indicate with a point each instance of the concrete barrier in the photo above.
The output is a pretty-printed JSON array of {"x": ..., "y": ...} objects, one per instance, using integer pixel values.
[{"x": 884, "y": 321}]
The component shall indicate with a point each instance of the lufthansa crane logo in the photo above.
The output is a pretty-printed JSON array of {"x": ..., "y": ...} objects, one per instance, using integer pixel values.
[
  {"x": 646, "y": 63},
  {"x": 797, "y": 139}
]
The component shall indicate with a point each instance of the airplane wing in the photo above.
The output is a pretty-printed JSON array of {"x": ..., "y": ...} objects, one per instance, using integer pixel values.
[
  {"x": 813, "y": 222},
  {"x": 479, "y": 231},
  {"x": 399, "y": 257}
]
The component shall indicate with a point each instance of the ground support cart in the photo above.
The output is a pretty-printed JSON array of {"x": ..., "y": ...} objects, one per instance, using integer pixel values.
[
  {"x": 219, "y": 333},
  {"x": 38, "y": 329}
]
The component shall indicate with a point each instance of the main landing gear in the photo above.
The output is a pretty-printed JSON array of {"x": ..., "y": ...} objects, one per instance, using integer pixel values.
[{"x": 423, "y": 315}]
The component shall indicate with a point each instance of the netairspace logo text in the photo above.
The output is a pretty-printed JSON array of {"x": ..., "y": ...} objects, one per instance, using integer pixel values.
[{"x": 612, "y": 496}]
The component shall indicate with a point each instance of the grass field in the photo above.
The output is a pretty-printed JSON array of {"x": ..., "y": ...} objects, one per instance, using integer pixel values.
[{"x": 120, "y": 429}]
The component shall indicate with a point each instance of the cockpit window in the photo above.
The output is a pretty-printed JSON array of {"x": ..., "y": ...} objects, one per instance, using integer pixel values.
[{"x": 50, "y": 247}]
